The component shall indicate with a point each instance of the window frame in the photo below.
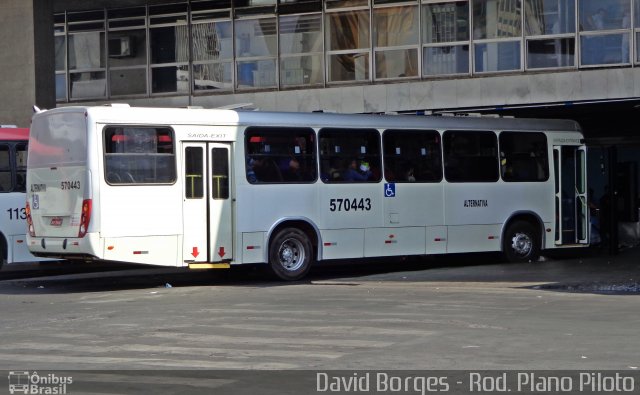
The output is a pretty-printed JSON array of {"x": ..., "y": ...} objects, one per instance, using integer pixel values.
[
  {"x": 173, "y": 155},
  {"x": 276, "y": 159}
]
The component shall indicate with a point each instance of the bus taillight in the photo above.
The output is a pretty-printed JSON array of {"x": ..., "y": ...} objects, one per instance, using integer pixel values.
[
  {"x": 85, "y": 218},
  {"x": 27, "y": 210}
]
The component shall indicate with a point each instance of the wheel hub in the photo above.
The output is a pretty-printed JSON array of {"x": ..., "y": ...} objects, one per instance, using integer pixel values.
[
  {"x": 522, "y": 244},
  {"x": 291, "y": 254}
]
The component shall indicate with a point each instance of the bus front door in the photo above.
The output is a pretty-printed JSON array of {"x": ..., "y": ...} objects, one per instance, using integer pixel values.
[
  {"x": 207, "y": 225},
  {"x": 571, "y": 206}
]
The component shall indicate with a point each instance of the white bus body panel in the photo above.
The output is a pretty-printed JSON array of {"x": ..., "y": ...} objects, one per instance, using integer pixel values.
[{"x": 151, "y": 223}]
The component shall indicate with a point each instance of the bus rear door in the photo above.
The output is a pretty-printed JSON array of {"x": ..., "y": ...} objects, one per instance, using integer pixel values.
[
  {"x": 207, "y": 219},
  {"x": 571, "y": 209}
]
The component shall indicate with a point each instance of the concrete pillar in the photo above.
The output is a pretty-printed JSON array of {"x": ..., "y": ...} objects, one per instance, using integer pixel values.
[{"x": 27, "y": 57}]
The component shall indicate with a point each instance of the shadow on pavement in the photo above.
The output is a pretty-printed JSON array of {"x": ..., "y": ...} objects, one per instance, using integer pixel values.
[{"x": 589, "y": 272}]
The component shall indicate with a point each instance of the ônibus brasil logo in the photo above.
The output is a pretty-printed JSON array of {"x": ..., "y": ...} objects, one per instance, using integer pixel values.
[{"x": 24, "y": 382}]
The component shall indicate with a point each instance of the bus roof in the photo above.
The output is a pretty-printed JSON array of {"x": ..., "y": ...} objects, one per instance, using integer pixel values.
[
  {"x": 191, "y": 116},
  {"x": 7, "y": 134}
]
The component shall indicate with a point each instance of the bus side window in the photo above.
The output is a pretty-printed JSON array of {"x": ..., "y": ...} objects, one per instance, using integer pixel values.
[
  {"x": 280, "y": 155},
  {"x": 523, "y": 157},
  {"x": 350, "y": 155},
  {"x": 5, "y": 168},
  {"x": 470, "y": 156},
  {"x": 412, "y": 156}
]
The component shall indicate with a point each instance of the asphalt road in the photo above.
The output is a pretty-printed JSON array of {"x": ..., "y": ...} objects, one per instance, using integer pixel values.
[{"x": 462, "y": 312}]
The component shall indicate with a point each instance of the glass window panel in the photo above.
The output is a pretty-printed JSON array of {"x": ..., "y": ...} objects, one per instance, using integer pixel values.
[
  {"x": 61, "y": 87},
  {"x": 220, "y": 173},
  {"x": 61, "y": 53},
  {"x": 167, "y": 9},
  {"x": 470, "y": 156},
  {"x": 549, "y": 17},
  {"x": 523, "y": 157},
  {"x": 496, "y": 19},
  {"x": 126, "y": 12},
  {"x": 604, "y": 14},
  {"x": 397, "y": 63},
  {"x": 350, "y": 155},
  {"x": 451, "y": 59},
  {"x": 21, "y": 167},
  {"x": 300, "y": 34},
  {"x": 128, "y": 81},
  {"x": 412, "y": 156},
  {"x": 260, "y": 73},
  {"x": 212, "y": 41},
  {"x": 169, "y": 44},
  {"x": 348, "y": 30},
  {"x": 86, "y": 51},
  {"x": 280, "y": 155},
  {"x": 212, "y": 76},
  {"x": 636, "y": 13},
  {"x": 301, "y": 70},
  {"x": 445, "y": 22},
  {"x": 5, "y": 169},
  {"x": 256, "y": 37},
  {"x": 139, "y": 155},
  {"x": 88, "y": 85},
  {"x": 127, "y": 48},
  {"x": 604, "y": 49},
  {"x": 85, "y": 16},
  {"x": 194, "y": 173},
  {"x": 394, "y": 26},
  {"x": 637, "y": 47},
  {"x": 170, "y": 79},
  {"x": 332, "y": 4},
  {"x": 557, "y": 52},
  {"x": 210, "y": 5},
  {"x": 298, "y": 6},
  {"x": 349, "y": 67},
  {"x": 499, "y": 56}
]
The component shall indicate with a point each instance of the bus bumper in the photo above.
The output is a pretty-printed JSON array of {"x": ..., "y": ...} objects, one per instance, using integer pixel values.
[{"x": 65, "y": 247}]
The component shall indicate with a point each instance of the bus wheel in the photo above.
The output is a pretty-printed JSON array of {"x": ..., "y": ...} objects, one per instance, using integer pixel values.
[
  {"x": 290, "y": 254},
  {"x": 521, "y": 242}
]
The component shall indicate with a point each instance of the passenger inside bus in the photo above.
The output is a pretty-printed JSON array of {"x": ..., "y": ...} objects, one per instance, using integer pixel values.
[{"x": 358, "y": 170}]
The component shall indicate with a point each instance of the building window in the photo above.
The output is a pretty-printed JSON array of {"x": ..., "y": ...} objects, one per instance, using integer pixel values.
[
  {"x": 550, "y": 33},
  {"x": 445, "y": 35},
  {"x": 60, "y": 42},
  {"x": 396, "y": 33},
  {"x": 212, "y": 46},
  {"x": 301, "y": 59},
  {"x": 348, "y": 43},
  {"x": 256, "y": 50},
  {"x": 127, "y": 51},
  {"x": 87, "y": 66},
  {"x": 604, "y": 32},
  {"x": 497, "y": 31},
  {"x": 169, "y": 45}
]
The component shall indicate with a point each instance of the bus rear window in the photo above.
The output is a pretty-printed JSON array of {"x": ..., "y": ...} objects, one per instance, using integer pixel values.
[
  {"x": 139, "y": 155},
  {"x": 58, "y": 140}
]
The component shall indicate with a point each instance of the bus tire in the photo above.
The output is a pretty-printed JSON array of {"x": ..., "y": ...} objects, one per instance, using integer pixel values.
[
  {"x": 290, "y": 254},
  {"x": 521, "y": 242}
]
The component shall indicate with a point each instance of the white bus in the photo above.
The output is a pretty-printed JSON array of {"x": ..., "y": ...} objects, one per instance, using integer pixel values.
[
  {"x": 214, "y": 188},
  {"x": 13, "y": 169}
]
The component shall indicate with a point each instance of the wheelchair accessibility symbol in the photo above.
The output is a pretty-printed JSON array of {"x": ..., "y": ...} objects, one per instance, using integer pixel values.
[{"x": 390, "y": 190}]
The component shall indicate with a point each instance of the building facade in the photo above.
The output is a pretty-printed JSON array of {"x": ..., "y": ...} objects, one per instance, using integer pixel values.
[{"x": 348, "y": 55}]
